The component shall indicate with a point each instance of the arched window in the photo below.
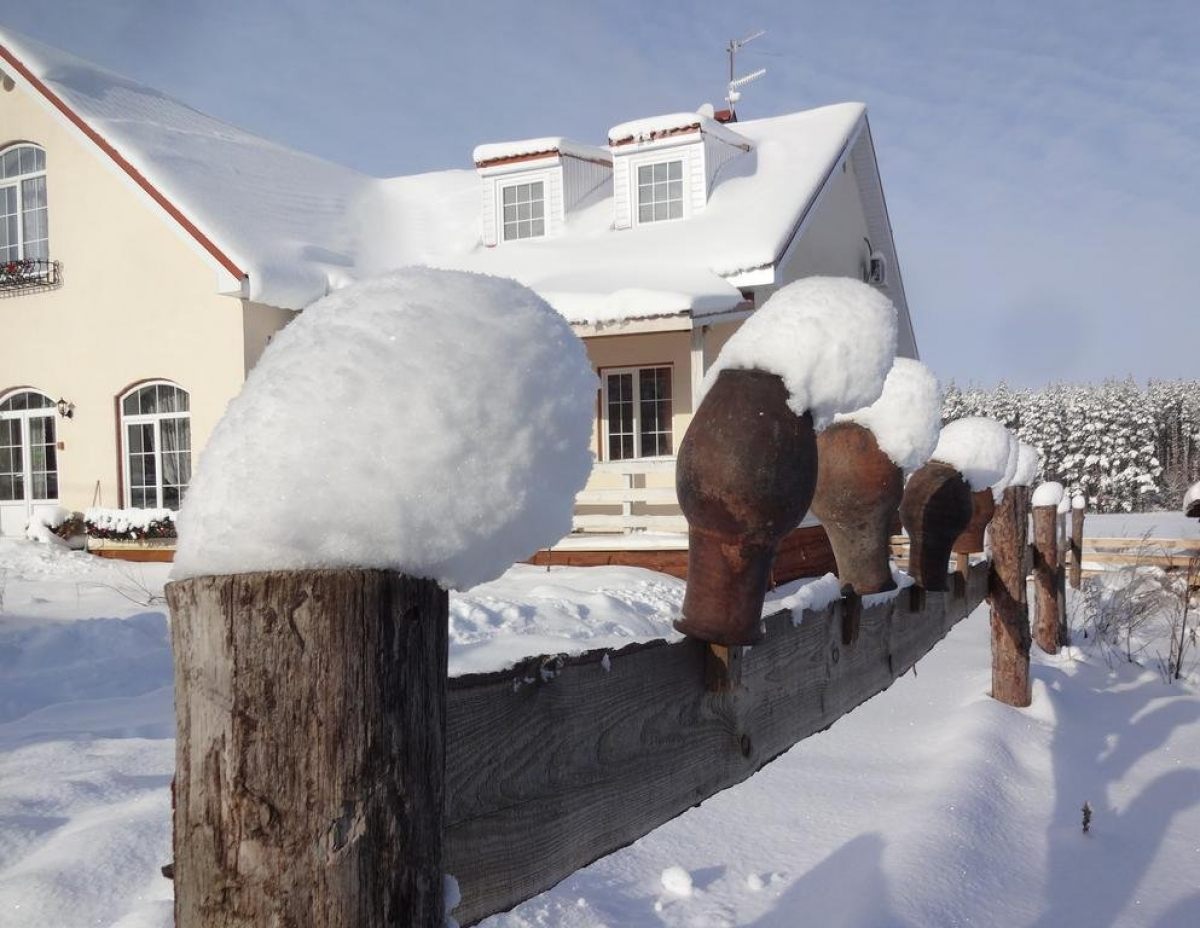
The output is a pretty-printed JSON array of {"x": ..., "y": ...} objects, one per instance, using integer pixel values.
[
  {"x": 24, "y": 229},
  {"x": 28, "y": 457},
  {"x": 156, "y": 430}
]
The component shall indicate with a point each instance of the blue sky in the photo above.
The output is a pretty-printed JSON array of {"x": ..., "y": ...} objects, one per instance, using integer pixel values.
[{"x": 1041, "y": 160}]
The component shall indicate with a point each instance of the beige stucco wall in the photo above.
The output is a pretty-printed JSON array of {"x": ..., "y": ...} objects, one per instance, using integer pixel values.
[
  {"x": 138, "y": 301},
  {"x": 260, "y": 322}
]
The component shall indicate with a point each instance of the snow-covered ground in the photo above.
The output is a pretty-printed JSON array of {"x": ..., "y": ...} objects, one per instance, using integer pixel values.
[
  {"x": 1170, "y": 524},
  {"x": 929, "y": 806}
]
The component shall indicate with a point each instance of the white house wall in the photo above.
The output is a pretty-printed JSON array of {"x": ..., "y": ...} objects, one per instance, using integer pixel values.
[
  {"x": 581, "y": 179},
  {"x": 136, "y": 303}
]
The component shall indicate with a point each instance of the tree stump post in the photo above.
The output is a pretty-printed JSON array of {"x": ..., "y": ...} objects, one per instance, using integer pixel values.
[
  {"x": 310, "y": 758},
  {"x": 1046, "y": 578},
  {"x": 1009, "y": 606},
  {"x": 1076, "y": 546}
]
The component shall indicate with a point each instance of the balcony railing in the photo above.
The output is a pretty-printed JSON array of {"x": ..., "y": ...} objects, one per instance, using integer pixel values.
[
  {"x": 632, "y": 506},
  {"x": 29, "y": 274}
]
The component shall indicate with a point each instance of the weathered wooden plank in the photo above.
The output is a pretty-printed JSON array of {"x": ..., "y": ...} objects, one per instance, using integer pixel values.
[{"x": 553, "y": 766}]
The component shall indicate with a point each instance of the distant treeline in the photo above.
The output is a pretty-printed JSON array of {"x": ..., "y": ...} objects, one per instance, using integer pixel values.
[{"x": 1127, "y": 448}]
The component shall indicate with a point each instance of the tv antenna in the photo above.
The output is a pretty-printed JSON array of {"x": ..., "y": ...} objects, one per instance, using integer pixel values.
[{"x": 734, "y": 91}]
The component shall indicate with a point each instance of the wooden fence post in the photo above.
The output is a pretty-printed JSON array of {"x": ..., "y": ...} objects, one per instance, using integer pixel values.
[
  {"x": 1046, "y": 577},
  {"x": 1076, "y": 546},
  {"x": 1010, "y": 609},
  {"x": 310, "y": 759}
]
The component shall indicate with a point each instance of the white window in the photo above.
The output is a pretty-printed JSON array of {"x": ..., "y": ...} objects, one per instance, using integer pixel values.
[
  {"x": 24, "y": 230},
  {"x": 524, "y": 208},
  {"x": 28, "y": 456},
  {"x": 660, "y": 191},
  {"x": 637, "y": 413},
  {"x": 156, "y": 429}
]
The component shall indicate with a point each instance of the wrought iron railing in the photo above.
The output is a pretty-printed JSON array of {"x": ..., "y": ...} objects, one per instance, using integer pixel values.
[{"x": 29, "y": 274}]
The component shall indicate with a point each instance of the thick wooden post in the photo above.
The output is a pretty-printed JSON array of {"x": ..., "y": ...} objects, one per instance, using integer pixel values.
[
  {"x": 310, "y": 760},
  {"x": 1076, "y": 546},
  {"x": 1010, "y": 609},
  {"x": 1045, "y": 577}
]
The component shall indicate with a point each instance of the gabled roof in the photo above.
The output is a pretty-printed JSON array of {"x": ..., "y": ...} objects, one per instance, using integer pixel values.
[
  {"x": 263, "y": 212},
  {"x": 759, "y": 206}
]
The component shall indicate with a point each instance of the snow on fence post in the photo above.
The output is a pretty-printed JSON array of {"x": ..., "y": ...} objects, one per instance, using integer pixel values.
[
  {"x": 310, "y": 761},
  {"x": 1077, "y": 515},
  {"x": 1047, "y": 569},
  {"x": 1010, "y": 630},
  {"x": 309, "y": 605}
]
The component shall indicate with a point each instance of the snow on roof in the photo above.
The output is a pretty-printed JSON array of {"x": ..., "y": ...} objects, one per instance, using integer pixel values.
[
  {"x": 278, "y": 214},
  {"x": 656, "y": 127},
  {"x": 593, "y": 273},
  {"x": 299, "y": 226},
  {"x": 498, "y": 151}
]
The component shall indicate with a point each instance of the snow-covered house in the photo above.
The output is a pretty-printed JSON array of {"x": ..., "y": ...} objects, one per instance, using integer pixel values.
[{"x": 152, "y": 251}]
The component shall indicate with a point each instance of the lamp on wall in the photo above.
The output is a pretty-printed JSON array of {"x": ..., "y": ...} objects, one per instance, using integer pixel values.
[{"x": 65, "y": 409}]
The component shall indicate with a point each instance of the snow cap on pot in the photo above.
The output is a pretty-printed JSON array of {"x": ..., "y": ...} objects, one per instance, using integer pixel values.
[
  {"x": 747, "y": 465},
  {"x": 861, "y": 462}
]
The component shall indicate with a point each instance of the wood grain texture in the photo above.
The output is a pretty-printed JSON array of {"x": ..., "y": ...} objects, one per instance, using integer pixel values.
[
  {"x": 310, "y": 708},
  {"x": 558, "y": 763},
  {"x": 1045, "y": 579},
  {"x": 1076, "y": 548},
  {"x": 1011, "y": 635}
]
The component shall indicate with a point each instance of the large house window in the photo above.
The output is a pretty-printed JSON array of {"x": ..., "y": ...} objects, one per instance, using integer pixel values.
[
  {"x": 24, "y": 230},
  {"x": 157, "y": 433},
  {"x": 660, "y": 191},
  {"x": 524, "y": 208},
  {"x": 637, "y": 403},
  {"x": 28, "y": 449}
]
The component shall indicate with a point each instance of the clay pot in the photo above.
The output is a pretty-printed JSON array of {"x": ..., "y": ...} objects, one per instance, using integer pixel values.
[
  {"x": 983, "y": 507},
  {"x": 934, "y": 511},
  {"x": 858, "y": 492},
  {"x": 745, "y": 476}
]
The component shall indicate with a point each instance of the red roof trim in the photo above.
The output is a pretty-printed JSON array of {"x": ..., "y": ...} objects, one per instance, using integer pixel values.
[{"x": 140, "y": 179}]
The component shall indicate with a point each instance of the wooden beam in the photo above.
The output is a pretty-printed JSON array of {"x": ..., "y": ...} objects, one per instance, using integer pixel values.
[{"x": 546, "y": 775}]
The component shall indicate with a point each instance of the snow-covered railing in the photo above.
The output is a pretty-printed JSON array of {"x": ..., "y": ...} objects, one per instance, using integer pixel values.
[
  {"x": 28, "y": 274},
  {"x": 627, "y": 503}
]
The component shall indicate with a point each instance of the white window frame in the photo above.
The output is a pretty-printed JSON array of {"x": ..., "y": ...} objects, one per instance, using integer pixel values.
[
  {"x": 636, "y": 371},
  {"x": 520, "y": 180},
  {"x": 17, "y": 182},
  {"x": 27, "y": 473},
  {"x": 155, "y": 419},
  {"x": 649, "y": 159}
]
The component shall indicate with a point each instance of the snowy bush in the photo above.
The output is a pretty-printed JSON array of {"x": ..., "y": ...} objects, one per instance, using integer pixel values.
[
  {"x": 129, "y": 524},
  {"x": 1124, "y": 448},
  {"x": 432, "y": 422}
]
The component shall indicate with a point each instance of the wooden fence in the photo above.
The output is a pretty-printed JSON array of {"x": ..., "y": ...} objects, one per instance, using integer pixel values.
[{"x": 564, "y": 760}]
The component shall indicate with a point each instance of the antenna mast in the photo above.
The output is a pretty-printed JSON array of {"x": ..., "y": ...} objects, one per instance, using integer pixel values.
[{"x": 733, "y": 94}]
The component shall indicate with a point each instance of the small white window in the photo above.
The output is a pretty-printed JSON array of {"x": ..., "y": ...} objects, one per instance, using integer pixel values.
[
  {"x": 660, "y": 191},
  {"x": 637, "y": 403},
  {"x": 157, "y": 430},
  {"x": 524, "y": 210}
]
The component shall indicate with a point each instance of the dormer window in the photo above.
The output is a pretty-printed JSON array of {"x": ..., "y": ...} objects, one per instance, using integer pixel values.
[
  {"x": 524, "y": 210},
  {"x": 660, "y": 191}
]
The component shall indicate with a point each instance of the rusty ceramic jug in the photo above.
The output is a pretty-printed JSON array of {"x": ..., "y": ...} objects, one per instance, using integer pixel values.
[
  {"x": 935, "y": 509},
  {"x": 858, "y": 492},
  {"x": 983, "y": 507},
  {"x": 745, "y": 476}
]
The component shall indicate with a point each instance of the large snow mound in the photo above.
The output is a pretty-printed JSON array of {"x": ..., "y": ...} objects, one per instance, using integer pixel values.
[
  {"x": 979, "y": 448},
  {"x": 906, "y": 418},
  {"x": 1191, "y": 496},
  {"x": 431, "y": 422},
  {"x": 831, "y": 339}
]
